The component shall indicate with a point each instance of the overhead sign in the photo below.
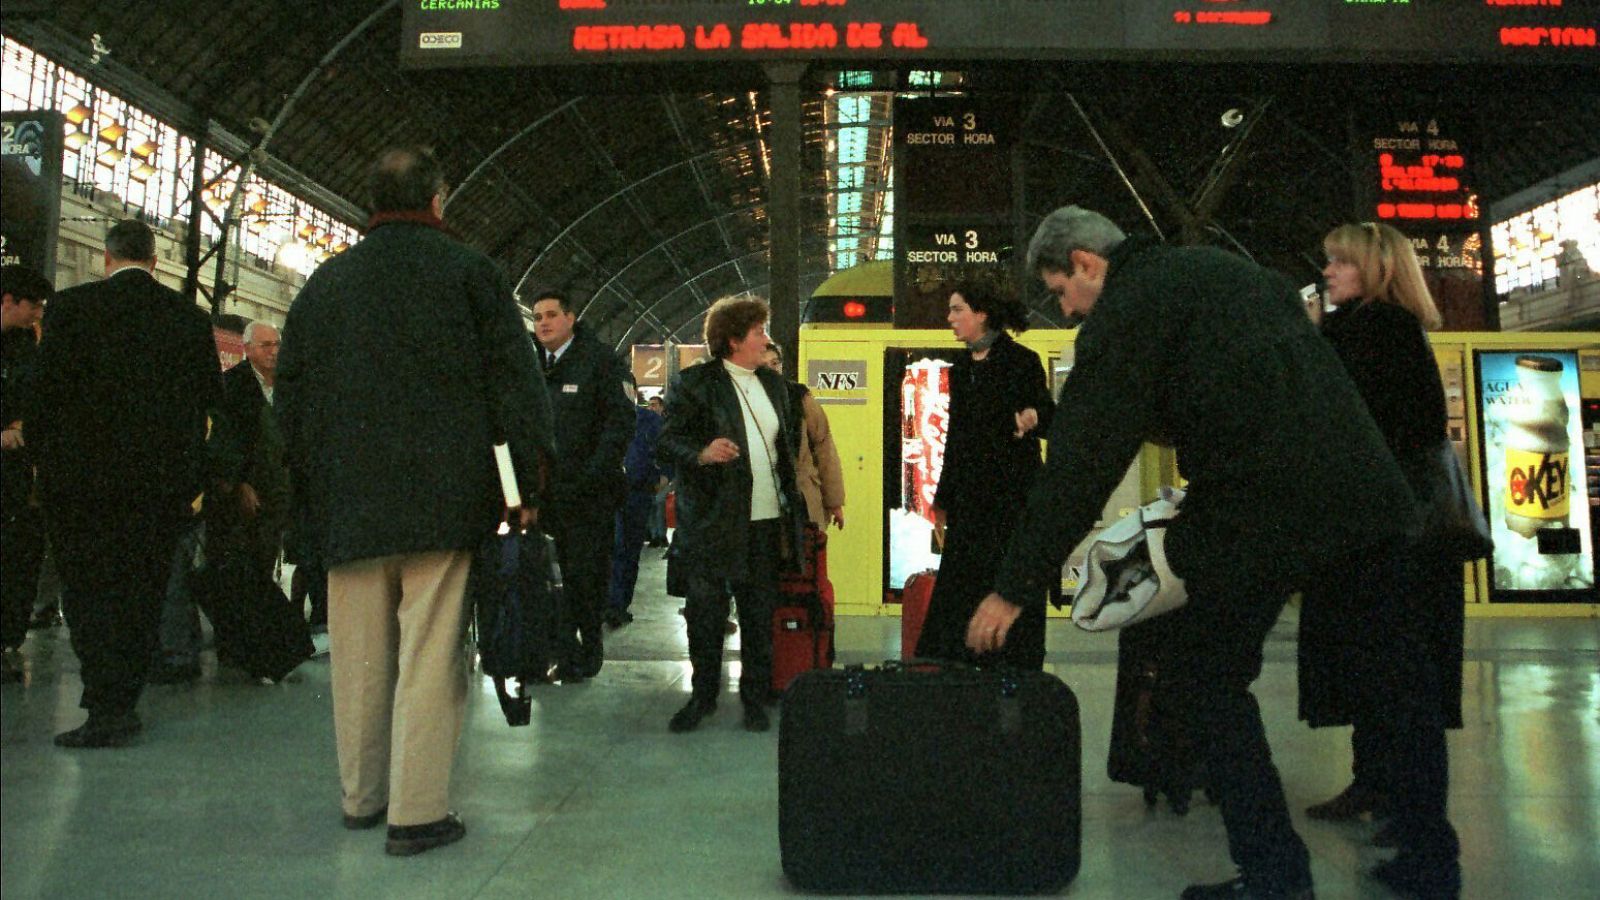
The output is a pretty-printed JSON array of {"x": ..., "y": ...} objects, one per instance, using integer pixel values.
[
  {"x": 955, "y": 199},
  {"x": 554, "y": 32},
  {"x": 30, "y": 189}
]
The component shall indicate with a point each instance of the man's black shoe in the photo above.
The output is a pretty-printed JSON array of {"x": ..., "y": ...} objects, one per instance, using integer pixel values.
[
  {"x": 1236, "y": 889},
  {"x": 104, "y": 731},
  {"x": 688, "y": 718},
  {"x": 370, "y": 820},
  {"x": 618, "y": 617},
  {"x": 755, "y": 718},
  {"x": 45, "y": 618},
  {"x": 172, "y": 673},
  {"x": 1411, "y": 877},
  {"x": 409, "y": 840},
  {"x": 569, "y": 673}
]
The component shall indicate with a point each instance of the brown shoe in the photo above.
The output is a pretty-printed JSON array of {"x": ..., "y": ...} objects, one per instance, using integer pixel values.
[
  {"x": 1352, "y": 803},
  {"x": 409, "y": 840}
]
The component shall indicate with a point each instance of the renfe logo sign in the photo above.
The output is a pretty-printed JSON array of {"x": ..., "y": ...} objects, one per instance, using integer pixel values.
[{"x": 439, "y": 40}]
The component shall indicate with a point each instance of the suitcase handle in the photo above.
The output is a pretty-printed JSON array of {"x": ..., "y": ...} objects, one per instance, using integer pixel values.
[{"x": 927, "y": 664}]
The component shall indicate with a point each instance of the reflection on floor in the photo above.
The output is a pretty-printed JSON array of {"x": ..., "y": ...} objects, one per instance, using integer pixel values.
[{"x": 232, "y": 790}]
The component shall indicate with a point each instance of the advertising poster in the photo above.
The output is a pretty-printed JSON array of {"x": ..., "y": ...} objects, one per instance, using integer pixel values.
[
  {"x": 1535, "y": 478},
  {"x": 917, "y": 418}
]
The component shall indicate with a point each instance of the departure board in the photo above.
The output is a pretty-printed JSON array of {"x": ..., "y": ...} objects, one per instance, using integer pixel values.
[{"x": 445, "y": 33}]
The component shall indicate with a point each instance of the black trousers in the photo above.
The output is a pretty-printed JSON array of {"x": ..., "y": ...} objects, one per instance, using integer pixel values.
[
  {"x": 583, "y": 547},
  {"x": 1399, "y": 737},
  {"x": 23, "y": 537},
  {"x": 114, "y": 611},
  {"x": 706, "y": 608},
  {"x": 1217, "y": 655}
]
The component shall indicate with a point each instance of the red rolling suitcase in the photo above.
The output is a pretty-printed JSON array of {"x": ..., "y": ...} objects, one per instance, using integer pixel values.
[
  {"x": 929, "y": 779},
  {"x": 802, "y": 623},
  {"x": 914, "y": 610}
]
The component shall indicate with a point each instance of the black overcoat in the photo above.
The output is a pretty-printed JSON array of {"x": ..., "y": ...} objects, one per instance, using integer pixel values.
[
  {"x": 404, "y": 362},
  {"x": 1214, "y": 355},
  {"x": 713, "y": 501},
  {"x": 983, "y": 488},
  {"x": 126, "y": 374},
  {"x": 1387, "y": 355}
]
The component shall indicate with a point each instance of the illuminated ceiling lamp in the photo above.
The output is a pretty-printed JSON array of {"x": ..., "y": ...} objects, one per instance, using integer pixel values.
[
  {"x": 75, "y": 139},
  {"x": 292, "y": 255},
  {"x": 111, "y": 156},
  {"x": 259, "y": 204},
  {"x": 142, "y": 172},
  {"x": 113, "y": 132},
  {"x": 146, "y": 149},
  {"x": 78, "y": 114}
]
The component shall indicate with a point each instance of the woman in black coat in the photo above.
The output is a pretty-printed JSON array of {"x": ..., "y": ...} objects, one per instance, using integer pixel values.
[
  {"x": 1378, "y": 331},
  {"x": 999, "y": 407}
]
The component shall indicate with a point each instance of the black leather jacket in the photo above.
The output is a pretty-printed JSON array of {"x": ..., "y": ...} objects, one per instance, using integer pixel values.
[{"x": 714, "y": 500}]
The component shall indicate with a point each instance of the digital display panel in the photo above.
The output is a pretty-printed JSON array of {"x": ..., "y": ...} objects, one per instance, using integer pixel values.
[
  {"x": 555, "y": 32},
  {"x": 1535, "y": 480}
]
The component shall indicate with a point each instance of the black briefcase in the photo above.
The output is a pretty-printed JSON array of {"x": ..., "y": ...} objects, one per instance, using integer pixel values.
[{"x": 925, "y": 778}]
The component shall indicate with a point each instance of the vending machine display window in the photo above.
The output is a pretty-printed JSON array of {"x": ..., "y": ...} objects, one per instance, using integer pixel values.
[
  {"x": 916, "y": 418},
  {"x": 1536, "y": 481}
]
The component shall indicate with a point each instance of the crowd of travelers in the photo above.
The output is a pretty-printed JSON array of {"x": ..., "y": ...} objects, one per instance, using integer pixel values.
[{"x": 356, "y": 442}]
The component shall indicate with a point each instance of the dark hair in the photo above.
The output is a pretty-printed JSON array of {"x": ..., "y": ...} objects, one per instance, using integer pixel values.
[
  {"x": 732, "y": 318},
  {"x": 558, "y": 296},
  {"x": 131, "y": 240},
  {"x": 405, "y": 179},
  {"x": 775, "y": 347},
  {"x": 23, "y": 283},
  {"x": 1005, "y": 311}
]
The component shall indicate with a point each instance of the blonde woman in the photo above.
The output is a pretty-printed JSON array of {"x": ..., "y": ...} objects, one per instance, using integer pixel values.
[{"x": 1393, "y": 668}]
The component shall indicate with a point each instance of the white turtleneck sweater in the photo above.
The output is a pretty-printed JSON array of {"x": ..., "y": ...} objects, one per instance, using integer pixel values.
[{"x": 761, "y": 429}]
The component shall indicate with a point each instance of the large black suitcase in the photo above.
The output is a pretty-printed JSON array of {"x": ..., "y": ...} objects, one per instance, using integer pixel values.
[
  {"x": 255, "y": 626},
  {"x": 921, "y": 778}
]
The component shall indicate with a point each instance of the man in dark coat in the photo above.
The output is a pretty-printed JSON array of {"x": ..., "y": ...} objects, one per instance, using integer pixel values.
[
  {"x": 404, "y": 363},
  {"x": 590, "y": 393},
  {"x": 633, "y": 519},
  {"x": 730, "y": 435},
  {"x": 1287, "y": 473},
  {"x": 127, "y": 371},
  {"x": 24, "y": 294}
]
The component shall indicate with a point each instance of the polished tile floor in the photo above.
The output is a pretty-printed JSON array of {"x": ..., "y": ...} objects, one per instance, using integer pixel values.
[{"x": 232, "y": 789}]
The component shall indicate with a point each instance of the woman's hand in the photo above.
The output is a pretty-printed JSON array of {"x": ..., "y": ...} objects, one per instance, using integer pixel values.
[{"x": 1027, "y": 420}]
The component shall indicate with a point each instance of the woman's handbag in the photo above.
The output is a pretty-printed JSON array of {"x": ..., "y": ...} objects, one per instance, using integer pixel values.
[
  {"x": 1453, "y": 524},
  {"x": 1125, "y": 577}
]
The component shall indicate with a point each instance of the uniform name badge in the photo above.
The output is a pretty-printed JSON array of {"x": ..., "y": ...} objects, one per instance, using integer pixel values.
[{"x": 569, "y": 389}]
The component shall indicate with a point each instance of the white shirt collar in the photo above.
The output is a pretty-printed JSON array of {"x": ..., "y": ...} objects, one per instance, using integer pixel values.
[
  {"x": 126, "y": 266},
  {"x": 561, "y": 349}
]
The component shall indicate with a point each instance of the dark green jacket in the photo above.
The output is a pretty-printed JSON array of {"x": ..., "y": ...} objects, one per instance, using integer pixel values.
[
  {"x": 404, "y": 362},
  {"x": 1212, "y": 354}
]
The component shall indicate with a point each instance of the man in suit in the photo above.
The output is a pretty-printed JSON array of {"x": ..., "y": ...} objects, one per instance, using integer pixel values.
[
  {"x": 128, "y": 370},
  {"x": 247, "y": 510},
  {"x": 594, "y": 423},
  {"x": 394, "y": 482},
  {"x": 24, "y": 294}
]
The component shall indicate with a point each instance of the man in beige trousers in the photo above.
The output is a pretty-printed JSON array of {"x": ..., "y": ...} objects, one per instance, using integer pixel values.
[{"x": 404, "y": 362}]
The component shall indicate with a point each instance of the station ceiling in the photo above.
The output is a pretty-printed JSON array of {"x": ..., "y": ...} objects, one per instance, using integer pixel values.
[{"x": 642, "y": 191}]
